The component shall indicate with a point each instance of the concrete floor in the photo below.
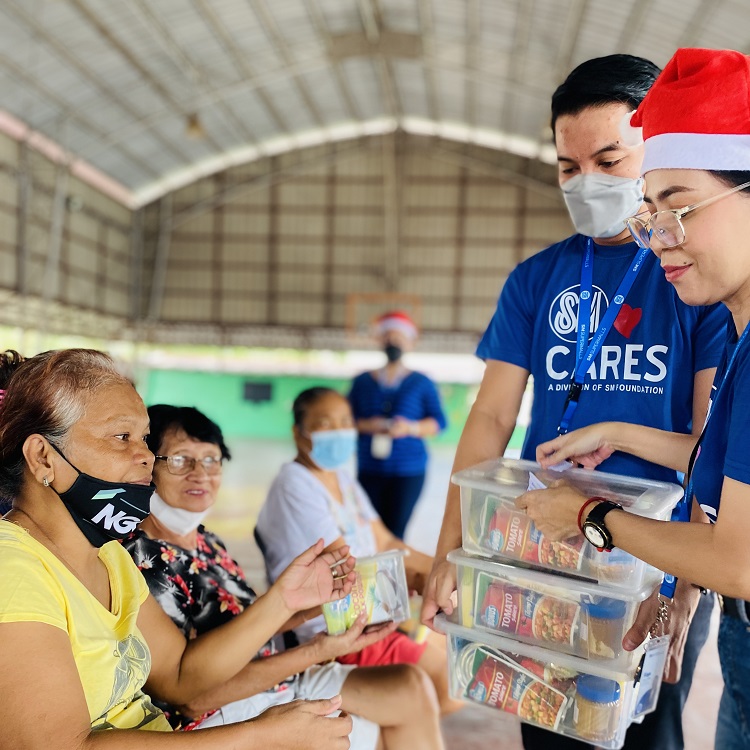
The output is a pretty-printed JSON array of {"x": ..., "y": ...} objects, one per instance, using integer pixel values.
[{"x": 246, "y": 479}]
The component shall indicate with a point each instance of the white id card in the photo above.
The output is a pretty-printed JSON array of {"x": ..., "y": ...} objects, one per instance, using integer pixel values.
[
  {"x": 652, "y": 670},
  {"x": 382, "y": 446}
]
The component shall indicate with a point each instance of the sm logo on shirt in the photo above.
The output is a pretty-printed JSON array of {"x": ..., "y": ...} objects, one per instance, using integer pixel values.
[{"x": 563, "y": 312}]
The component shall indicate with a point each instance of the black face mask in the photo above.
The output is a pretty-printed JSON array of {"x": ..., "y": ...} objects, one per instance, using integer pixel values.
[
  {"x": 103, "y": 510},
  {"x": 393, "y": 352}
]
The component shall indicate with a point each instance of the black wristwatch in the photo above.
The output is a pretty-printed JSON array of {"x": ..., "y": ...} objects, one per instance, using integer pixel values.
[{"x": 594, "y": 528}]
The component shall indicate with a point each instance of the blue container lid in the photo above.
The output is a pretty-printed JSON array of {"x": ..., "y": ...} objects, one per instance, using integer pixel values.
[
  {"x": 598, "y": 689},
  {"x": 607, "y": 609}
]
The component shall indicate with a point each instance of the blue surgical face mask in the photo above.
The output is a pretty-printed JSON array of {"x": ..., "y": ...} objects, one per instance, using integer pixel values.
[{"x": 333, "y": 448}]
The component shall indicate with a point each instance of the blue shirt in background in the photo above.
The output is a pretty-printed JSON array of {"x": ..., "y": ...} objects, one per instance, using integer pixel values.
[
  {"x": 645, "y": 371},
  {"x": 414, "y": 398}
]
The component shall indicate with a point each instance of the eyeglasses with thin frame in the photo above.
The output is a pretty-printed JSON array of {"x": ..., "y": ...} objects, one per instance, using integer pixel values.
[
  {"x": 180, "y": 465},
  {"x": 666, "y": 226}
]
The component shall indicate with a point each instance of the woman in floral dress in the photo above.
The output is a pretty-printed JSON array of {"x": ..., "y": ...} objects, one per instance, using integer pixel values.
[{"x": 197, "y": 583}]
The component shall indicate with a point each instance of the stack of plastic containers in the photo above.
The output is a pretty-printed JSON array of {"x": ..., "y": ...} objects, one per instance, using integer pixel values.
[{"x": 539, "y": 625}]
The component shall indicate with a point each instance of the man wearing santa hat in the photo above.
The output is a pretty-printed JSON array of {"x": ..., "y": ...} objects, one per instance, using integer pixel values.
[
  {"x": 604, "y": 335},
  {"x": 395, "y": 409}
]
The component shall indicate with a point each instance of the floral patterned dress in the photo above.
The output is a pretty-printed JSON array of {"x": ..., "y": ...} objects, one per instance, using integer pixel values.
[{"x": 199, "y": 589}]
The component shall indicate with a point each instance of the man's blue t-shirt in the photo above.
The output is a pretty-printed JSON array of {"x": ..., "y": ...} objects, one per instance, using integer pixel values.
[
  {"x": 723, "y": 451},
  {"x": 645, "y": 370}
]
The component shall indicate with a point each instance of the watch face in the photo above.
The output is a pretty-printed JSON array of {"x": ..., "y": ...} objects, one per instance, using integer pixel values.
[{"x": 594, "y": 535}]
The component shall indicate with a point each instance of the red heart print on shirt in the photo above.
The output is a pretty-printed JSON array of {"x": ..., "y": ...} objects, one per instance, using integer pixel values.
[{"x": 627, "y": 319}]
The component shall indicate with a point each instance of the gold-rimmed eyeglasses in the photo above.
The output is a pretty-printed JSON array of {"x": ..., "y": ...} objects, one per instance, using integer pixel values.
[
  {"x": 666, "y": 226},
  {"x": 181, "y": 465}
]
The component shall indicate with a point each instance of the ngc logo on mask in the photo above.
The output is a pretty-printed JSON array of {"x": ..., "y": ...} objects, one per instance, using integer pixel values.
[
  {"x": 111, "y": 518},
  {"x": 563, "y": 312}
]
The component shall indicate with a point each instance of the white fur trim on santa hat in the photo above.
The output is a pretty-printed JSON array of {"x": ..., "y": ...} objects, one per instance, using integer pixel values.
[
  {"x": 712, "y": 151},
  {"x": 396, "y": 323}
]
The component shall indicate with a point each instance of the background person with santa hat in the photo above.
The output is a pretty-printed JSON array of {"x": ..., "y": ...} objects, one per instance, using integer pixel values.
[
  {"x": 395, "y": 408},
  {"x": 696, "y": 127}
]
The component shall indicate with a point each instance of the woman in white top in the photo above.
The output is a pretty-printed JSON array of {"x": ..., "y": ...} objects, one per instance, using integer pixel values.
[{"x": 315, "y": 496}]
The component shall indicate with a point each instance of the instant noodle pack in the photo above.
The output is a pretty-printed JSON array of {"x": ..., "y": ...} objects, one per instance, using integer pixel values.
[{"x": 539, "y": 625}]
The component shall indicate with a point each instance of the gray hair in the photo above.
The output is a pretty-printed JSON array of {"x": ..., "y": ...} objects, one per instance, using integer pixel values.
[{"x": 47, "y": 394}]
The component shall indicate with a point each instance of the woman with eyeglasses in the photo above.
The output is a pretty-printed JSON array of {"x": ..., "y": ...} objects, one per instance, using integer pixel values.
[
  {"x": 196, "y": 582},
  {"x": 81, "y": 639},
  {"x": 696, "y": 127}
]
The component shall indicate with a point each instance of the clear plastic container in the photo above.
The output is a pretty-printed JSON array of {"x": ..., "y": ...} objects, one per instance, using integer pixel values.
[
  {"x": 563, "y": 614},
  {"x": 494, "y": 528},
  {"x": 580, "y": 699},
  {"x": 380, "y": 589}
]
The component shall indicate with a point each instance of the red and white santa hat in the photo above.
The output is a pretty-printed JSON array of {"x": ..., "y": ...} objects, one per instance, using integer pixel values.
[
  {"x": 697, "y": 113},
  {"x": 396, "y": 320}
]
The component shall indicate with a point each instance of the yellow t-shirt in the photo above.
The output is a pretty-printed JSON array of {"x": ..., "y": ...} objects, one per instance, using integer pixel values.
[{"x": 112, "y": 657}]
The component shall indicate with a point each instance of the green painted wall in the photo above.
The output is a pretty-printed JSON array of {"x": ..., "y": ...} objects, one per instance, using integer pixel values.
[{"x": 220, "y": 396}]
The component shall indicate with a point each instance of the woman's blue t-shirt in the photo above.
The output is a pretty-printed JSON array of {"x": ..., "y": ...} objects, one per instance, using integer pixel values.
[{"x": 723, "y": 451}]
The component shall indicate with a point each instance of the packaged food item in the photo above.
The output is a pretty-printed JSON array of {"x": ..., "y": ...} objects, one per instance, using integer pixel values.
[
  {"x": 519, "y": 611},
  {"x": 616, "y": 567},
  {"x": 412, "y": 625},
  {"x": 498, "y": 682},
  {"x": 565, "y": 614},
  {"x": 597, "y": 707},
  {"x": 466, "y": 593},
  {"x": 380, "y": 590},
  {"x": 560, "y": 678},
  {"x": 580, "y": 698},
  {"x": 606, "y": 620},
  {"x": 493, "y": 528},
  {"x": 513, "y": 534},
  {"x": 341, "y": 614}
]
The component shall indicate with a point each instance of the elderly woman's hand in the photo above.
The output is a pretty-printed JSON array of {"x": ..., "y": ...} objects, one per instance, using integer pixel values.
[
  {"x": 359, "y": 636},
  {"x": 316, "y": 577},
  {"x": 554, "y": 511},
  {"x": 302, "y": 725}
]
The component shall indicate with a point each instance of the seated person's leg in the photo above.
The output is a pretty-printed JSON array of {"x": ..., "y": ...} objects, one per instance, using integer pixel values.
[{"x": 400, "y": 699}]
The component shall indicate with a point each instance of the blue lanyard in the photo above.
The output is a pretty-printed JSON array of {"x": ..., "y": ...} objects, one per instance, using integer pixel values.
[
  {"x": 681, "y": 513},
  {"x": 587, "y": 352}
]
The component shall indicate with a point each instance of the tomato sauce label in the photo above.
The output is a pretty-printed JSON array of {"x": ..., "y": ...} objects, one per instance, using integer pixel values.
[
  {"x": 528, "y": 614},
  {"x": 513, "y": 534},
  {"x": 498, "y": 684}
]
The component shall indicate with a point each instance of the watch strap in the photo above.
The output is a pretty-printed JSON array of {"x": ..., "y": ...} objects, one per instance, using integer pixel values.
[
  {"x": 596, "y": 514},
  {"x": 586, "y": 505},
  {"x": 596, "y": 517}
]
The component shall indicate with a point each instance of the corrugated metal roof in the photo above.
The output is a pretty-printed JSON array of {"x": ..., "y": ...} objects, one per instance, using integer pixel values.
[{"x": 114, "y": 83}]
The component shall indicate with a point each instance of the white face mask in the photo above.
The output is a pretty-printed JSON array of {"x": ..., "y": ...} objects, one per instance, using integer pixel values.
[
  {"x": 178, "y": 520},
  {"x": 598, "y": 204}
]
